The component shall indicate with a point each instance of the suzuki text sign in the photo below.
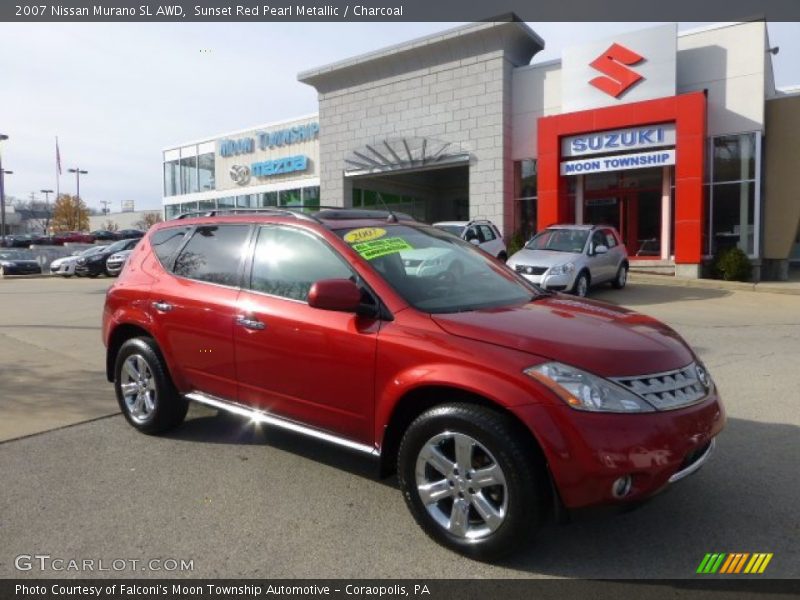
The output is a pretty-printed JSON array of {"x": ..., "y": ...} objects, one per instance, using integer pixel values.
[
  {"x": 629, "y": 67},
  {"x": 619, "y": 140}
]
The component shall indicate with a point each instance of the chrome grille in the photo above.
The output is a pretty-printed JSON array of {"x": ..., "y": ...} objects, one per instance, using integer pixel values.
[
  {"x": 529, "y": 270},
  {"x": 669, "y": 390}
]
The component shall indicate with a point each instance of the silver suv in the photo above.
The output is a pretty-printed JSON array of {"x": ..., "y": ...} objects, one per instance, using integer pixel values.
[
  {"x": 480, "y": 232},
  {"x": 573, "y": 258}
]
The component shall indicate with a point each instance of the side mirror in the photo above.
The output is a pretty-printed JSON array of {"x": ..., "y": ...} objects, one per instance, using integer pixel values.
[
  {"x": 475, "y": 241},
  {"x": 335, "y": 294},
  {"x": 600, "y": 249}
]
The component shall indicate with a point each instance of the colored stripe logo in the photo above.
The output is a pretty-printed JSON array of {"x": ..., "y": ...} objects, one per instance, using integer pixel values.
[{"x": 734, "y": 563}]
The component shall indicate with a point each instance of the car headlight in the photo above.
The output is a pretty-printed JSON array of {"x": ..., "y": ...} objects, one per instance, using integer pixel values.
[
  {"x": 564, "y": 269},
  {"x": 584, "y": 391}
]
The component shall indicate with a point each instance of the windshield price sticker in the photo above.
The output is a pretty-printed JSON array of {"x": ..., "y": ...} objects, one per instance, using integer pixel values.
[
  {"x": 376, "y": 248},
  {"x": 365, "y": 234}
]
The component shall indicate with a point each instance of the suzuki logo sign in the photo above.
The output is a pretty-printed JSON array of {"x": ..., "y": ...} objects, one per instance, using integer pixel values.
[
  {"x": 630, "y": 67},
  {"x": 613, "y": 63}
]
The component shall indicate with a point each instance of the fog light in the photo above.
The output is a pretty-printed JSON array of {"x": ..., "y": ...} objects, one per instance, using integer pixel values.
[{"x": 621, "y": 487}]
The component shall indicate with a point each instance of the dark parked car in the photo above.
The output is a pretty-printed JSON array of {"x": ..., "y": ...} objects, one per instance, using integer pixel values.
[
  {"x": 495, "y": 400},
  {"x": 74, "y": 237},
  {"x": 130, "y": 234},
  {"x": 18, "y": 262},
  {"x": 95, "y": 264},
  {"x": 104, "y": 235},
  {"x": 23, "y": 240}
]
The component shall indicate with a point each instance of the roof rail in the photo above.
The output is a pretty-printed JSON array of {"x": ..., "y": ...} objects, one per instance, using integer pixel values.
[
  {"x": 289, "y": 211},
  {"x": 345, "y": 214}
]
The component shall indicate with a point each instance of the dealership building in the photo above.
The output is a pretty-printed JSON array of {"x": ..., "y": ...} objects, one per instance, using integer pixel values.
[{"x": 680, "y": 140}]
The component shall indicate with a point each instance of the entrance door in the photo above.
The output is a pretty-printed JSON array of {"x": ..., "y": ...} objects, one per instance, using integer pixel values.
[{"x": 629, "y": 201}]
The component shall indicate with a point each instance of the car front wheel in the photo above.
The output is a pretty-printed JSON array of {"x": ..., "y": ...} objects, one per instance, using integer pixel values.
[
  {"x": 621, "y": 279},
  {"x": 468, "y": 479},
  {"x": 581, "y": 287},
  {"x": 145, "y": 392}
]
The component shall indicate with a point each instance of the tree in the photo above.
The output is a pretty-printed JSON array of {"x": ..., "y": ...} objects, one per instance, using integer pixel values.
[
  {"x": 148, "y": 220},
  {"x": 70, "y": 214},
  {"x": 110, "y": 225}
]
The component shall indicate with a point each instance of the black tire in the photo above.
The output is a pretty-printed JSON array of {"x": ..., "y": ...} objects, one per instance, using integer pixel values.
[
  {"x": 503, "y": 257},
  {"x": 581, "y": 286},
  {"x": 522, "y": 496},
  {"x": 93, "y": 275},
  {"x": 622, "y": 277},
  {"x": 168, "y": 406}
]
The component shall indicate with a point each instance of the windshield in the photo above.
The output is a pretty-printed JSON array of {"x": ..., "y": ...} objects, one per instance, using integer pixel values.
[
  {"x": 90, "y": 251},
  {"x": 117, "y": 246},
  {"x": 17, "y": 255},
  {"x": 559, "y": 240},
  {"x": 435, "y": 272},
  {"x": 456, "y": 230}
]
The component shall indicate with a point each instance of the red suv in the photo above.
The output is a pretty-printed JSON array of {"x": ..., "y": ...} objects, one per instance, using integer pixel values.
[{"x": 494, "y": 400}]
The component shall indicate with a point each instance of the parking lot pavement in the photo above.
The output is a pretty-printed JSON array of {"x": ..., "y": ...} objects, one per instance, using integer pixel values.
[
  {"x": 52, "y": 363},
  {"x": 241, "y": 502}
]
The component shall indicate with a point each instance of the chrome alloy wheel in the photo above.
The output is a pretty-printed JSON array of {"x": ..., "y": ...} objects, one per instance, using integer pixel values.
[
  {"x": 461, "y": 485},
  {"x": 138, "y": 388},
  {"x": 622, "y": 277}
]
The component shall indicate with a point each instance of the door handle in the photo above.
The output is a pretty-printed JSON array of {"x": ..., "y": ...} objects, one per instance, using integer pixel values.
[
  {"x": 250, "y": 322},
  {"x": 162, "y": 306}
]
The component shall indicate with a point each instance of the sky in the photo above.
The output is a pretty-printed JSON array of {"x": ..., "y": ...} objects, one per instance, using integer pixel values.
[{"x": 117, "y": 94}]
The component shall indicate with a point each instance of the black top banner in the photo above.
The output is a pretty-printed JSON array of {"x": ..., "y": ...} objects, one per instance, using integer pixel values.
[{"x": 398, "y": 10}]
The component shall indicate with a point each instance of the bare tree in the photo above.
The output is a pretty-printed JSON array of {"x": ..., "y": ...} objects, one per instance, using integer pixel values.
[
  {"x": 148, "y": 220},
  {"x": 37, "y": 213}
]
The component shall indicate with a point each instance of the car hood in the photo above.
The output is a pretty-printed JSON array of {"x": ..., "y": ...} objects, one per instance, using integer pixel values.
[
  {"x": 542, "y": 258},
  {"x": 63, "y": 261},
  {"x": 601, "y": 338}
]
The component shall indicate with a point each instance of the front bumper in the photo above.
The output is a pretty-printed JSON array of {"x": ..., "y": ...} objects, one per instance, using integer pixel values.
[
  {"x": 552, "y": 282},
  {"x": 97, "y": 268},
  {"x": 22, "y": 270},
  {"x": 588, "y": 452}
]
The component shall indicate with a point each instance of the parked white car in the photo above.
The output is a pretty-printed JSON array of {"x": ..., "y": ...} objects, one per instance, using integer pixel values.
[
  {"x": 116, "y": 262},
  {"x": 65, "y": 266},
  {"x": 480, "y": 232},
  {"x": 573, "y": 258}
]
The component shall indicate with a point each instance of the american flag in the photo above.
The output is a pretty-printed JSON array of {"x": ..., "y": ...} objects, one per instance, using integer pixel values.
[{"x": 58, "y": 158}]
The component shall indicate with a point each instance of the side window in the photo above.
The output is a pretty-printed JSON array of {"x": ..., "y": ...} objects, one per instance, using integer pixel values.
[
  {"x": 213, "y": 254},
  {"x": 487, "y": 233},
  {"x": 471, "y": 234},
  {"x": 611, "y": 241},
  {"x": 166, "y": 241},
  {"x": 598, "y": 239},
  {"x": 287, "y": 262}
]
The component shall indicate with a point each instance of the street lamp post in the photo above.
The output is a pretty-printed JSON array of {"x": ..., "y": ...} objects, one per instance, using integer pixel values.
[
  {"x": 3, "y": 173},
  {"x": 78, "y": 172},
  {"x": 47, "y": 204}
]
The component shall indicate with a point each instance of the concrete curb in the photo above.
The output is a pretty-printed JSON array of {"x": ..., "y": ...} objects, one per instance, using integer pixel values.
[{"x": 716, "y": 284}]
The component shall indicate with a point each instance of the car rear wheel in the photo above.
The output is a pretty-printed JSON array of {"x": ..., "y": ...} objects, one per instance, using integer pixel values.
[
  {"x": 581, "y": 287},
  {"x": 469, "y": 481},
  {"x": 502, "y": 256},
  {"x": 145, "y": 392},
  {"x": 621, "y": 279}
]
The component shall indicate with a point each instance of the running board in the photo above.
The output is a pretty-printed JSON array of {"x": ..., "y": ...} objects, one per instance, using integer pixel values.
[{"x": 259, "y": 416}]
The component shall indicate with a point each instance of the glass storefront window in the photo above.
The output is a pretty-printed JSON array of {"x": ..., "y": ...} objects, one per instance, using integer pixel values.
[
  {"x": 731, "y": 200},
  {"x": 188, "y": 207},
  {"x": 268, "y": 199},
  {"x": 525, "y": 191},
  {"x": 207, "y": 205},
  {"x": 734, "y": 157},
  {"x": 732, "y": 216},
  {"x": 188, "y": 175},
  {"x": 246, "y": 201},
  {"x": 171, "y": 178},
  {"x": 205, "y": 170},
  {"x": 227, "y": 202},
  {"x": 526, "y": 179},
  {"x": 290, "y": 197},
  {"x": 171, "y": 211},
  {"x": 311, "y": 196}
]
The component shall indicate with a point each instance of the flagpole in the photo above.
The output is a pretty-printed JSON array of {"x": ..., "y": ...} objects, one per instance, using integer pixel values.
[{"x": 58, "y": 173}]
